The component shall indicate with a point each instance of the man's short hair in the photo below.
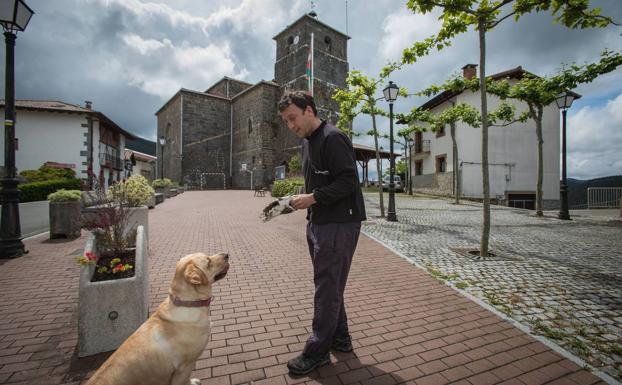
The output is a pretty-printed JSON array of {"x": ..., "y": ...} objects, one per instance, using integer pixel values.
[{"x": 300, "y": 99}]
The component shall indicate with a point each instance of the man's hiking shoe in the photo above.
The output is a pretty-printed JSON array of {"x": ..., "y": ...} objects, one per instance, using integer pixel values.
[
  {"x": 342, "y": 344},
  {"x": 304, "y": 364}
]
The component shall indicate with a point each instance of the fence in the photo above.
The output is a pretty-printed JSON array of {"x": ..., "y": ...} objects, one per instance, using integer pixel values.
[{"x": 603, "y": 197}]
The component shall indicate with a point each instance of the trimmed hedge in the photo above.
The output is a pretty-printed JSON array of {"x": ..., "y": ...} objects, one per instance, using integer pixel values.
[
  {"x": 286, "y": 186},
  {"x": 39, "y": 191}
]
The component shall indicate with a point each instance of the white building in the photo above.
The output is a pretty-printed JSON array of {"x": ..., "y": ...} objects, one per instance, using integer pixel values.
[
  {"x": 512, "y": 152},
  {"x": 142, "y": 164},
  {"x": 67, "y": 135}
]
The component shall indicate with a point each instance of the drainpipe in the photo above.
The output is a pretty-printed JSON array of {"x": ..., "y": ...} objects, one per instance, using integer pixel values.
[{"x": 230, "y": 135}]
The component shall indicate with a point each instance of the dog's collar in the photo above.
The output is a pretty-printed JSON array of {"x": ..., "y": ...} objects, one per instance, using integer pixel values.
[{"x": 200, "y": 303}]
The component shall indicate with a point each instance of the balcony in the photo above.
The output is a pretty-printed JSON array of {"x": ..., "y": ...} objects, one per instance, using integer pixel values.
[
  {"x": 421, "y": 149},
  {"x": 110, "y": 160}
]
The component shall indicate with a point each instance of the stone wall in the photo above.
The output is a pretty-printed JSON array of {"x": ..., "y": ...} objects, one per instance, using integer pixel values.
[
  {"x": 437, "y": 184},
  {"x": 169, "y": 123},
  {"x": 206, "y": 141},
  {"x": 235, "y": 87}
]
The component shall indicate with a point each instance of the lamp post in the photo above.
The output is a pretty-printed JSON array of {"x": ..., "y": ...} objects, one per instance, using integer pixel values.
[
  {"x": 390, "y": 94},
  {"x": 564, "y": 101},
  {"x": 162, "y": 143},
  {"x": 14, "y": 16}
]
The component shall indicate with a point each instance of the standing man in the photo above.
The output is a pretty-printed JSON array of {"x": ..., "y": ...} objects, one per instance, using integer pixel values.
[{"x": 335, "y": 209}]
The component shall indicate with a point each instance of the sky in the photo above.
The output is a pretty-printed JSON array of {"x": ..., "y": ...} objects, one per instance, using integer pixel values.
[{"x": 130, "y": 56}]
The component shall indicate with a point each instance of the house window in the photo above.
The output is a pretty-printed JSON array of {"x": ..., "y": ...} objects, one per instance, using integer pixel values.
[
  {"x": 440, "y": 132},
  {"x": 441, "y": 163},
  {"x": 250, "y": 126},
  {"x": 419, "y": 167}
]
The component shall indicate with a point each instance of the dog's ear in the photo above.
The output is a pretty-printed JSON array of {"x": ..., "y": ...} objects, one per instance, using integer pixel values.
[{"x": 194, "y": 275}]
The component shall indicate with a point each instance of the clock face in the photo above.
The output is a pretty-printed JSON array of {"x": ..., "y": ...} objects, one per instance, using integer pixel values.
[{"x": 296, "y": 39}]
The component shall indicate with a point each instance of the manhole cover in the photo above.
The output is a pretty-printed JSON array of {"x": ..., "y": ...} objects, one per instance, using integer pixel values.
[{"x": 473, "y": 253}]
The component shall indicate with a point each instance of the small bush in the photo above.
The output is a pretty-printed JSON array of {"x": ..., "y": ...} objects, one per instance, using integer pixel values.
[
  {"x": 63, "y": 195},
  {"x": 158, "y": 183},
  {"x": 45, "y": 173},
  {"x": 286, "y": 187},
  {"x": 135, "y": 191},
  {"x": 39, "y": 191}
]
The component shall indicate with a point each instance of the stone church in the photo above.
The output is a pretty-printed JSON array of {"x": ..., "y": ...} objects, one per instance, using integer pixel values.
[{"x": 231, "y": 133}]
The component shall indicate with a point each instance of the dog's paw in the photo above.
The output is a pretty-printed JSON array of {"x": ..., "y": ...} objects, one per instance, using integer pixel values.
[{"x": 195, "y": 381}]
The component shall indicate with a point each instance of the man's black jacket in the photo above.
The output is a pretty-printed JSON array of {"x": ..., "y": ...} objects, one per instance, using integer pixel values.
[{"x": 330, "y": 174}]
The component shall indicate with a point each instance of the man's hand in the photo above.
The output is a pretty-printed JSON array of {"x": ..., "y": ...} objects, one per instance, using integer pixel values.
[{"x": 302, "y": 201}]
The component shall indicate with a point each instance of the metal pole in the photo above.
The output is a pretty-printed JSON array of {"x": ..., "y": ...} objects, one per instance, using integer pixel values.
[
  {"x": 410, "y": 170},
  {"x": 563, "y": 188},
  {"x": 391, "y": 216},
  {"x": 162, "y": 162},
  {"x": 11, "y": 245}
]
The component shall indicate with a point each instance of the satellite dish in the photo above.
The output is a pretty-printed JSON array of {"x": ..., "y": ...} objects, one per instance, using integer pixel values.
[{"x": 296, "y": 39}]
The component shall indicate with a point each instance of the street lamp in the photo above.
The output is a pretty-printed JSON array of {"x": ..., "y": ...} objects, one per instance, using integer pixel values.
[
  {"x": 162, "y": 143},
  {"x": 564, "y": 101},
  {"x": 14, "y": 16},
  {"x": 390, "y": 94}
]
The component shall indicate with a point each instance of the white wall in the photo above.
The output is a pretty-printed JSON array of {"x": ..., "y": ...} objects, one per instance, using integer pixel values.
[
  {"x": 46, "y": 136},
  {"x": 514, "y": 145}
]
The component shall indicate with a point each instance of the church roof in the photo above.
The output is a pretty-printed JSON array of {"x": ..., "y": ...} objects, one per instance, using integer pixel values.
[{"x": 307, "y": 16}]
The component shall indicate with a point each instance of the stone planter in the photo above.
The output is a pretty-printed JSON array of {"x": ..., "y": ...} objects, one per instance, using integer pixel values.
[
  {"x": 65, "y": 219},
  {"x": 173, "y": 192},
  {"x": 159, "y": 198},
  {"x": 138, "y": 216},
  {"x": 163, "y": 191},
  {"x": 151, "y": 202},
  {"x": 110, "y": 311}
]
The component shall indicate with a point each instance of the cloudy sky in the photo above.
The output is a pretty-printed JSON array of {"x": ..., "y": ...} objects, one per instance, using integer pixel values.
[{"x": 130, "y": 56}]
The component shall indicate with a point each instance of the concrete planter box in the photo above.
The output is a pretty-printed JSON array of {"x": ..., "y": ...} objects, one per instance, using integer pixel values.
[
  {"x": 162, "y": 190},
  {"x": 65, "y": 219},
  {"x": 159, "y": 198},
  {"x": 110, "y": 311},
  {"x": 151, "y": 202},
  {"x": 173, "y": 192}
]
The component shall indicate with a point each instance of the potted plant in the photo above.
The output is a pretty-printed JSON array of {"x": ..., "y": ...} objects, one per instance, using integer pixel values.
[
  {"x": 65, "y": 214},
  {"x": 114, "y": 284},
  {"x": 161, "y": 186}
]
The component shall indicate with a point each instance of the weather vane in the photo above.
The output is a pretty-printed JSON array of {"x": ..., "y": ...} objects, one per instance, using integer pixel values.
[{"x": 312, "y": 13}]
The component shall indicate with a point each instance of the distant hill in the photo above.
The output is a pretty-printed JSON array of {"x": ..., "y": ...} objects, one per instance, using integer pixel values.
[
  {"x": 577, "y": 189},
  {"x": 142, "y": 145}
]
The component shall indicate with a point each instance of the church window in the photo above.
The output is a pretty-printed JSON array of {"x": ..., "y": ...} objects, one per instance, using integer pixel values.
[
  {"x": 290, "y": 40},
  {"x": 327, "y": 40},
  {"x": 250, "y": 126}
]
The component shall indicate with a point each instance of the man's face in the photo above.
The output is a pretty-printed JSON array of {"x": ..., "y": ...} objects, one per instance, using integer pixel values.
[{"x": 300, "y": 122}]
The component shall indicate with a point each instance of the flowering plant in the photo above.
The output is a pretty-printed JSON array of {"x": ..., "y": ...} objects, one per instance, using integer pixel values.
[{"x": 87, "y": 259}]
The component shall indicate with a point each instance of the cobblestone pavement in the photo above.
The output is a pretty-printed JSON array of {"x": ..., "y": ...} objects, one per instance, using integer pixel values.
[
  {"x": 407, "y": 328},
  {"x": 562, "y": 279}
]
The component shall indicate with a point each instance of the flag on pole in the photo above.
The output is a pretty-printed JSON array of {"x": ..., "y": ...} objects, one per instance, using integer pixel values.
[{"x": 310, "y": 68}]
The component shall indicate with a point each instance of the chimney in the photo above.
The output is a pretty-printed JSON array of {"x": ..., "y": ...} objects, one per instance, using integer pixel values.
[
  {"x": 469, "y": 71},
  {"x": 88, "y": 104}
]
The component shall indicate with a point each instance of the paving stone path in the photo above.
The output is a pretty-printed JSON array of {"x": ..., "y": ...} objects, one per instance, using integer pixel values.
[
  {"x": 562, "y": 279},
  {"x": 407, "y": 327}
]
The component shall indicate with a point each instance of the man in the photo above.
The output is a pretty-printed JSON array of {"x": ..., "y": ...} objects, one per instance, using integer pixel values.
[{"x": 335, "y": 209}]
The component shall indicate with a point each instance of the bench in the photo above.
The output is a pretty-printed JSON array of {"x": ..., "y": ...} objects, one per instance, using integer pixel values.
[{"x": 260, "y": 192}]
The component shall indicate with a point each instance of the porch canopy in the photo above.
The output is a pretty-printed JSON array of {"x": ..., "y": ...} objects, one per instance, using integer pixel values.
[{"x": 364, "y": 154}]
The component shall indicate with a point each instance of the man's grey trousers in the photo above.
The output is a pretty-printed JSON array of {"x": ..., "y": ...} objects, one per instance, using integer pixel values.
[{"x": 331, "y": 247}]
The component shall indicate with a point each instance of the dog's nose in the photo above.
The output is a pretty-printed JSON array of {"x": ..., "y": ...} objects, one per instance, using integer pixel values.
[{"x": 226, "y": 255}]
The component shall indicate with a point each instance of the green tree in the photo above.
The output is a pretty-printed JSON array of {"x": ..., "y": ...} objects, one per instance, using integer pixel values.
[
  {"x": 359, "y": 98},
  {"x": 484, "y": 15},
  {"x": 295, "y": 165},
  {"x": 539, "y": 92}
]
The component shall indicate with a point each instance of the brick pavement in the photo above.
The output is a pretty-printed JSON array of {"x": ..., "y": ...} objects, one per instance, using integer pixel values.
[{"x": 407, "y": 327}]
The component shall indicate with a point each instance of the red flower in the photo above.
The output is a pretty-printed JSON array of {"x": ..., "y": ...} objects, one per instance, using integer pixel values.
[
  {"x": 117, "y": 268},
  {"x": 91, "y": 256}
]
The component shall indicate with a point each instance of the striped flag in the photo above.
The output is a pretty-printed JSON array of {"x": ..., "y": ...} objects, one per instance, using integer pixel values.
[{"x": 310, "y": 68}]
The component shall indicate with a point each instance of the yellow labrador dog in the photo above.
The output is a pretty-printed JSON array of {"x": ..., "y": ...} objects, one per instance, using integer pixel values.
[{"x": 164, "y": 349}]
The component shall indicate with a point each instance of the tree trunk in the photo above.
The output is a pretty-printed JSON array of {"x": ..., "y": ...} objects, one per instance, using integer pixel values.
[
  {"x": 538, "y": 119},
  {"x": 483, "y": 248},
  {"x": 452, "y": 126},
  {"x": 378, "y": 160}
]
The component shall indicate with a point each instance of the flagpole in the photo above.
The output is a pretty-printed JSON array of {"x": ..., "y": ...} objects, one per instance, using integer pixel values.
[{"x": 312, "y": 63}]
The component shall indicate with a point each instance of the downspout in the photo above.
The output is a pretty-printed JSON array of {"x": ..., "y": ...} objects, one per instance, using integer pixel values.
[
  {"x": 230, "y": 135},
  {"x": 181, "y": 139}
]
